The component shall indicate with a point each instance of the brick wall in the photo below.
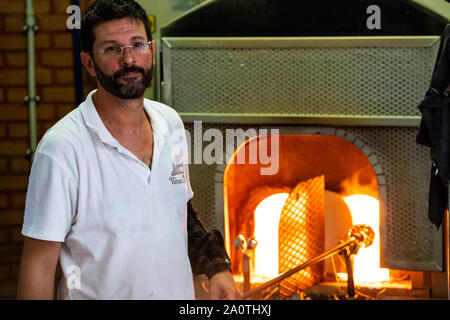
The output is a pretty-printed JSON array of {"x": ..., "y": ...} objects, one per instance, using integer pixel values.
[{"x": 54, "y": 85}]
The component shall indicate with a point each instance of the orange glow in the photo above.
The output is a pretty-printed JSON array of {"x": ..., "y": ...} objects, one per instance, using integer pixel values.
[
  {"x": 366, "y": 264},
  {"x": 267, "y": 219},
  {"x": 361, "y": 199}
]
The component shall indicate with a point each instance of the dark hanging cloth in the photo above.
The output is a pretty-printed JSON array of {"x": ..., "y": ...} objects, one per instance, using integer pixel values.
[{"x": 434, "y": 131}]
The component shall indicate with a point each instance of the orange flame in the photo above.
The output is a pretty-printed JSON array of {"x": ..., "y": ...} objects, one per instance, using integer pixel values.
[
  {"x": 360, "y": 195},
  {"x": 362, "y": 200},
  {"x": 366, "y": 264}
]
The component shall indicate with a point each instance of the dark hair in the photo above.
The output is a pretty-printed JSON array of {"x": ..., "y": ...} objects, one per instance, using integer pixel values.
[{"x": 106, "y": 10}]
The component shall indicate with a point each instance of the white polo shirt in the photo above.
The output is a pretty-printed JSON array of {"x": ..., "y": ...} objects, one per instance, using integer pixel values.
[{"x": 123, "y": 226}]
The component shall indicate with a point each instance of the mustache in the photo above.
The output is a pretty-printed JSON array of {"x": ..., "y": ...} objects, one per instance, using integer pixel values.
[{"x": 128, "y": 69}]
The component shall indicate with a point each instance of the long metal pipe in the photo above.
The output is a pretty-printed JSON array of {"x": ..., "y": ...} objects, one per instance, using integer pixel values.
[
  {"x": 32, "y": 99},
  {"x": 359, "y": 234},
  {"x": 290, "y": 272}
]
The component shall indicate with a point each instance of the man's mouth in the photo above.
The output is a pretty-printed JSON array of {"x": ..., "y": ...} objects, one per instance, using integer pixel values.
[{"x": 130, "y": 75}]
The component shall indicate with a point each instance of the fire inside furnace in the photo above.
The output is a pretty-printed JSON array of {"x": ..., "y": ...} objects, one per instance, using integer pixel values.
[
  {"x": 291, "y": 231},
  {"x": 364, "y": 210}
]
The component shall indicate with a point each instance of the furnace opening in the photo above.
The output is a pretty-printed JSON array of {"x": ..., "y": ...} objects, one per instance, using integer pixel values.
[{"x": 336, "y": 188}]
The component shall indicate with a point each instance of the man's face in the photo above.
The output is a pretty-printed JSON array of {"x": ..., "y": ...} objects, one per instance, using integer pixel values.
[{"x": 128, "y": 75}]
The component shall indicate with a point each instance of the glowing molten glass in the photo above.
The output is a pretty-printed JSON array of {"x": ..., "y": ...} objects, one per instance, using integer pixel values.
[
  {"x": 366, "y": 264},
  {"x": 267, "y": 219}
]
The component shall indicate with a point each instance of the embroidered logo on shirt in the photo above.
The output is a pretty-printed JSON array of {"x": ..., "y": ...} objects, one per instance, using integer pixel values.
[{"x": 177, "y": 170}]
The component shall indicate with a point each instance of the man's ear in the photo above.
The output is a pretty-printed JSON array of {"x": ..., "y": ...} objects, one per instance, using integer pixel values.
[{"x": 88, "y": 63}]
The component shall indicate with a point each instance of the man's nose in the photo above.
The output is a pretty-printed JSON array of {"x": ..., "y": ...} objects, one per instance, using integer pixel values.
[{"x": 127, "y": 56}]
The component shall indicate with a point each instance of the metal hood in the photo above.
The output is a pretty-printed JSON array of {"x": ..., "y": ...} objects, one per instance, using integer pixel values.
[{"x": 295, "y": 18}]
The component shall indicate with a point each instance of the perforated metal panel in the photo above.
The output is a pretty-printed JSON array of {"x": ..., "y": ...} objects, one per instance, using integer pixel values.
[
  {"x": 301, "y": 235},
  {"x": 312, "y": 81},
  {"x": 363, "y": 78},
  {"x": 408, "y": 240}
]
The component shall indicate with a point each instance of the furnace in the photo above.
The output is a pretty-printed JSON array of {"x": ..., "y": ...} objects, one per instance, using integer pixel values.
[{"x": 343, "y": 100}]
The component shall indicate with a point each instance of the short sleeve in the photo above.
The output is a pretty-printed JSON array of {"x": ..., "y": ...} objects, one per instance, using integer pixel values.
[{"x": 50, "y": 205}]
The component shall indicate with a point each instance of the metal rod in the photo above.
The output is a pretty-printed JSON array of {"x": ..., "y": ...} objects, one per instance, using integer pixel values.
[
  {"x": 288, "y": 273},
  {"x": 30, "y": 28},
  {"x": 246, "y": 263},
  {"x": 350, "y": 281},
  {"x": 77, "y": 65}
]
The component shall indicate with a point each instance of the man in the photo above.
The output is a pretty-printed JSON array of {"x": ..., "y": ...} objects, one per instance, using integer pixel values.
[{"x": 109, "y": 187}]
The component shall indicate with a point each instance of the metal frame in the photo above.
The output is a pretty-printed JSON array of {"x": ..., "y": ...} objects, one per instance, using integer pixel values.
[{"x": 168, "y": 43}]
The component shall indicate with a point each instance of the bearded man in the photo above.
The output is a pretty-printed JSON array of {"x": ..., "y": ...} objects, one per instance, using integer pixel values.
[{"x": 109, "y": 192}]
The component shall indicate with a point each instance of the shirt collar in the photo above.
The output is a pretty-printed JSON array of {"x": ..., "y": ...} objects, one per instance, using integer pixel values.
[{"x": 95, "y": 123}]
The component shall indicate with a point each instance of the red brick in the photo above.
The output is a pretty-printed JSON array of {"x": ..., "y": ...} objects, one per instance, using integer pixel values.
[
  {"x": 8, "y": 289},
  {"x": 3, "y": 201},
  {"x": 58, "y": 94},
  {"x": 60, "y": 6},
  {"x": 88, "y": 88},
  {"x": 62, "y": 40},
  {"x": 3, "y": 165},
  {"x": 45, "y": 112},
  {"x": 13, "y": 112},
  {"x": 43, "y": 76},
  {"x": 19, "y": 165},
  {"x": 41, "y": 6},
  {"x": 14, "y": 23},
  {"x": 11, "y": 217},
  {"x": 11, "y": 77},
  {"x": 64, "y": 76},
  {"x": 4, "y": 235},
  {"x": 13, "y": 148},
  {"x": 8, "y": 6},
  {"x": 45, "y": 126},
  {"x": 42, "y": 129},
  {"x": 16, "y": 236},
  {"x": 53, "y": 22},
  {"x": 5, "y": 271},
  {"x": 13, "y": 42},
  {"x": 42, "y": 41},
  {"x": 62, "y": 110},
  {"x": 16, "y": 95},
  {"x": 3, "y": 130},
  {"x": 18, "y": 130},
  {"x": 57, "y": 58},
  {"x": 16, "y": 59},
  {"x": 10, "y": 253},
  {"x": 17, "y": 200}
]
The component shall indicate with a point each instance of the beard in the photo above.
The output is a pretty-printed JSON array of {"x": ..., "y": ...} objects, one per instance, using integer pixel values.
[{"x": 131, "y": 88}]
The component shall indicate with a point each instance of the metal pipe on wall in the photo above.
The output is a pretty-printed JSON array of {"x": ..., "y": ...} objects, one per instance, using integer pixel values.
[
  {"x": 78, "y": 68},
  {"x": 32, "y": 99}
]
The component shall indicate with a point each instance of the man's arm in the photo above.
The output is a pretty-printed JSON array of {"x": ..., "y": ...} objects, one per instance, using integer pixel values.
[
  {"x": 208, "y": 256},
  {"x": 37, "y": 269}
]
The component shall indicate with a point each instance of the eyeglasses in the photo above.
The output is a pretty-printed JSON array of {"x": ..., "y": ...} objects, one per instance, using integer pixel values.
[{"x": 137, "y": 48}]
